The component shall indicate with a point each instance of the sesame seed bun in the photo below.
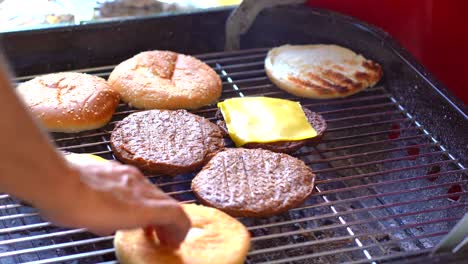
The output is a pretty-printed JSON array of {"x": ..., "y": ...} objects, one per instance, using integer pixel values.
[
  {"x": 69, "y": 102},
  {"x": 165, "y": 80}
]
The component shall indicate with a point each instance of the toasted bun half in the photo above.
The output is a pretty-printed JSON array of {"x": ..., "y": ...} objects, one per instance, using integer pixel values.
[
  {"x": 69, "y": 102},
  {"x": 320, "y": 71},
  {"x": 214, "y": 237},
  {"x": 165, "y": 80}
]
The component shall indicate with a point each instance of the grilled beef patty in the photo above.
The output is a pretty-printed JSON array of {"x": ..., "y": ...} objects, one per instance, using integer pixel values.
[
  {"x": 253, "y": 182},
  {"x": 316, "y": 120},
  {"x": 165, "y": 141}
]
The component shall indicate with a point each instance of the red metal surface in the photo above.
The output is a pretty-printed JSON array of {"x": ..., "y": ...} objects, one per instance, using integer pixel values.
[{"x": 433, "y": 31}]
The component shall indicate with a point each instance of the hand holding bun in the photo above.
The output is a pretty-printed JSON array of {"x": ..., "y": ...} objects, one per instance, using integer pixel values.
[
  {"x": 104, "y": 196},
  {"x": 69, "y": 101},
  {"x": 214, "y": 237}
]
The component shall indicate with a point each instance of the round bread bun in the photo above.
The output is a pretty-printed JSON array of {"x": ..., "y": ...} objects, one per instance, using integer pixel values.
[
  {"x": 320, "y": 71},
  {"x": 69, "y": 101},
  {"x": 165, "y": 80},
  {"x": 215, "y": 237}
]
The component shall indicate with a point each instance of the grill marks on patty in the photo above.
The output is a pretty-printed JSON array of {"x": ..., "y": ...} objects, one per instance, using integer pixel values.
[
  {"x": 253, "y": 182},
  {"x": 164, "y": 141}
]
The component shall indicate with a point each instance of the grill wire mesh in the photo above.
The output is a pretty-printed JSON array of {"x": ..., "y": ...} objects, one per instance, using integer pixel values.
[{"x": 385, "y": 188}]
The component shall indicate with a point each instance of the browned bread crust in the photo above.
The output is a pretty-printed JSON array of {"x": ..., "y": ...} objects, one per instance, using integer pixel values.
[
  {"x": 316, "y": 120},
  {"x": 320, "y": 71},
  {"x": 166, "y": 141},
  {"x": 253, "y": 182},
  {"x": 214, "y": 238},
  {"x": 69, "y": 101},
  {"x": 165, "y": 80}
]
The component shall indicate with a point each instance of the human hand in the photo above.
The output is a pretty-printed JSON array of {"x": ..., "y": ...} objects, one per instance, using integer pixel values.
[{"x": 107, "y": 196}]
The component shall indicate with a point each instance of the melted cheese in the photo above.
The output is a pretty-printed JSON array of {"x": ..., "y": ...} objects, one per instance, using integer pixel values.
[
  {"x": 264, "y": 120},
  {"x": 83, "y": 159}
]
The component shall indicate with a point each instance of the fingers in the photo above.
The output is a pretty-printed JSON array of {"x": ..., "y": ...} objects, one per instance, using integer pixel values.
[
  {"x": 111, "y": 175},
  {"x": 171, "y": 233},
  {"x": 165, "y": 236},
  {"x": 109, "y": 191},
  {"x": 128, "y": 170}
]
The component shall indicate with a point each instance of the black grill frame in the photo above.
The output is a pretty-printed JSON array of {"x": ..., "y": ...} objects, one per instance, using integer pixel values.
[{"x": 380, "y": 172}]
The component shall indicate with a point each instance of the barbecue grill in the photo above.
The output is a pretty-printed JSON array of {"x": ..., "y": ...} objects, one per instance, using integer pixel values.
[{"x": 390, "y": 176}]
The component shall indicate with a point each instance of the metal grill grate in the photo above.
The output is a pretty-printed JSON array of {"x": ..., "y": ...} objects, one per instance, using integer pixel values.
[{"x": 386, "y": 188}]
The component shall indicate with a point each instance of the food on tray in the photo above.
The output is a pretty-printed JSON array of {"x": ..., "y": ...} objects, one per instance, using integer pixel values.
[
  {"x": 215, "y": 237},
  {"x": 253, "y": 182},
  {"x": 70, "y": 102},
  {"x": 320, "y": 71},
  {"x": 270, "y": 123},
  {"x": 166, "y": 141},
  {"x": 165, "y": 80}
]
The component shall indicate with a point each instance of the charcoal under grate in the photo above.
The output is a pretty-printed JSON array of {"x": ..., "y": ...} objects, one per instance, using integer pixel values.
[{"x": 385, "y": 188}]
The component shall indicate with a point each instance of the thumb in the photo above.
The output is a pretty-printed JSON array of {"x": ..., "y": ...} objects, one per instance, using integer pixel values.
[{"x": 170, "y": 235}]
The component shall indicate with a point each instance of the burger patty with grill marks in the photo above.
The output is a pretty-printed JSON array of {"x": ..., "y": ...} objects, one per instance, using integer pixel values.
[
  {"x": 165, "y": 141},
  {"x": 253, "y": 182}
]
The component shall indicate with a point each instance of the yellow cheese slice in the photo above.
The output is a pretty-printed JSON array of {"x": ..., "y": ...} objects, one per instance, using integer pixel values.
[
  {"x": 264, "y": 120},
  {"x": 83, "y": 159}
]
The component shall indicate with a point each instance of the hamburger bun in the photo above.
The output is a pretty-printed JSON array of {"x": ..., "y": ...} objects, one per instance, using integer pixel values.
[
  {"x": 69, "y": 101},
  {"x": 165, "y": 80},
  {"x": 215, "y": 237},
  {"x": 320, "y": 71}
]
